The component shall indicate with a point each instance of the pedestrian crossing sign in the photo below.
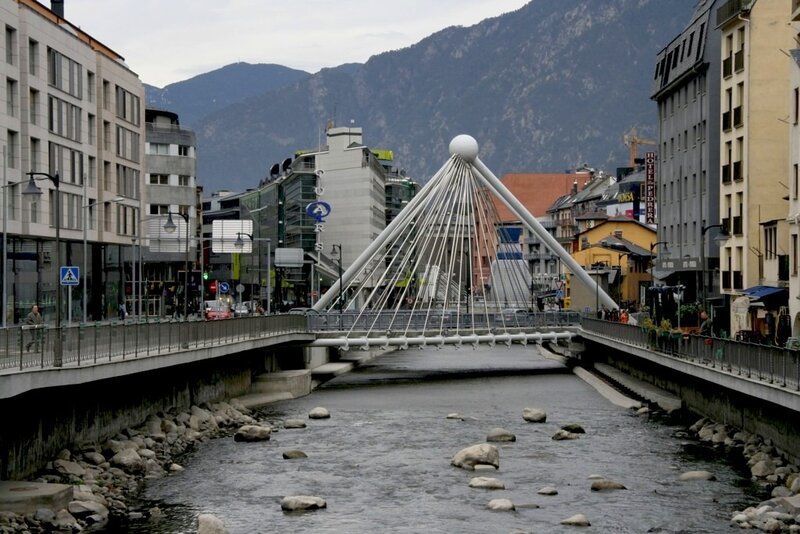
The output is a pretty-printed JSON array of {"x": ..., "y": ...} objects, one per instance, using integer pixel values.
[{"x": 70, "y": 275}]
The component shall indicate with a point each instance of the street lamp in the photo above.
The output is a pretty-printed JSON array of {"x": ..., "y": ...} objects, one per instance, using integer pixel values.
[
  {"x": 722, "y": 235},
  {"x": 170, "y": 227},
  {"x": 85, "y": 249},
  {"x": 337, "y": 250},
  {"x": 239, "y": 244},
  {"x": 32, "y": 189},
  {"x": 4, "y": 187}
]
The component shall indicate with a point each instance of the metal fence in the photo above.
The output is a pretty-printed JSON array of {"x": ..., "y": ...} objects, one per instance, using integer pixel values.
[
  {"x": 775, "y": 365},
  {"x": 28, "y": 347},
  {"x": 437, "y": 321}
]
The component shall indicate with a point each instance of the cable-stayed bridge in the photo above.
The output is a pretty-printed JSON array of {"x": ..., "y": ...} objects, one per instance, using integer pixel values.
[{"x": 446, "y": 271}]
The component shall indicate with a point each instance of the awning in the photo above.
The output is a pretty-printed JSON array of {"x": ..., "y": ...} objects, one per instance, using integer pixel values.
[{"x": 758, "y": 292}]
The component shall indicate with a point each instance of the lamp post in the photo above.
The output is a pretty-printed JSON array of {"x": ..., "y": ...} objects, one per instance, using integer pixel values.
[
  {"x": 5, "y": 187},
  {"x": 170, "y": 227},
  {"x": 703, "y": 231},
  {"x": 337, "y": 249},
  {"x": 33, "y": 189},
  {"x": 239, "y": 244}
]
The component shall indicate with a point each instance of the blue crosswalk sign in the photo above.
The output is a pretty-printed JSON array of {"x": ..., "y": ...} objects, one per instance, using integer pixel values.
[{"x": 70, "y": 275}]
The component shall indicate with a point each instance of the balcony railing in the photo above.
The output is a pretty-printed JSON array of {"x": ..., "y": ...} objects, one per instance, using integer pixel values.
[
  {"x": 726, "y": 174},
  {"x": 738, "y": 61},
  {"x": 727, "y": 68},
  {"x": 737, "y": 225},
  {"x": 737, "y": 116},
  {"x": 730, "y": 9},
  {"x": 737, "y": 171}
]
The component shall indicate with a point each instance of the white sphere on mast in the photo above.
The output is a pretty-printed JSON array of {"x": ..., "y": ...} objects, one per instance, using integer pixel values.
[{"x": 465, "y": 146}]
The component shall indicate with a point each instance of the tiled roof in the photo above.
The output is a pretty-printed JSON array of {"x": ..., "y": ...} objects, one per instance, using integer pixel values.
[{"x": 536, "y": 191}]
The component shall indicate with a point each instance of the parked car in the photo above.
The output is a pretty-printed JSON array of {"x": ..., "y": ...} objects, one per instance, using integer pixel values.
[
  {"x": 216, "y": 309},
  {"x": 303, "y": 311},
  {"x": 243, "y": 309}
]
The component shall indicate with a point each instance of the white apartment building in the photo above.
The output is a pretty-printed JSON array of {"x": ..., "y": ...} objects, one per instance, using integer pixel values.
[{"x": 73, "y": 108}]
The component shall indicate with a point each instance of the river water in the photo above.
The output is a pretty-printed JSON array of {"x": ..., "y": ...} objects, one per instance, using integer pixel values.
[{"x": 382, "y": 461}]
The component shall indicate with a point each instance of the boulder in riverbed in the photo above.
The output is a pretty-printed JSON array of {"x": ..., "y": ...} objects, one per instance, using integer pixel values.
[
  {"x": 482, "y": 453},
  {"x": 575, "y": 428},
  {"x": 696, "y": 475},
  {"x": 296, "y": 503},
  {"x": 210, "y": 524},
  {"x": 294, "y": 454},
  {"x": 252, "y": 433},
  {"x": 319, "y": 413},
  {"x": 486, "y": 483},
  {"x": 577, "y": 520},
  {"x": 501, "y": 504},
  {"x": 562, "y": 435},
  {"x": 294, "y": 423},
  {"x": 548, "y": 490},
  {"x": 534, "y": 415},
  {"x": 500, "y": 434},
  {"x": 606, "y": 485}
]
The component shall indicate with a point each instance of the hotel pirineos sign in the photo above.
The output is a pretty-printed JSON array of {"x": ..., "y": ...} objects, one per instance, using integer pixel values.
[{"x": 650, "y": 187}]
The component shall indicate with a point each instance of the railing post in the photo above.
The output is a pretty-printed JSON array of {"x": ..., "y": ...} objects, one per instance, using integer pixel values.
[
  {"x": 80, "y": 338},
  {"x": 21, "y": 346},
  {"x": 95, "y": 341}
]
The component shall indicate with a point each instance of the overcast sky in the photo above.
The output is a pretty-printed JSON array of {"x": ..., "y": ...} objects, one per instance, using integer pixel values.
[{"x": 166, "y": 41}]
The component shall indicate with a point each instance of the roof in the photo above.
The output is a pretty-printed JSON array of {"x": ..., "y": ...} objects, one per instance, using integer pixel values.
[
  {"x": 758, "y": 292},
  {"x": 622, "y": 245},
  {"x": 536, "y": 191}
]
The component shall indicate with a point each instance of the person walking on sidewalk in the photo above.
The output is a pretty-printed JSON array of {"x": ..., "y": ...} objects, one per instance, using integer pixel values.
[{"x": 34, "y": 319}]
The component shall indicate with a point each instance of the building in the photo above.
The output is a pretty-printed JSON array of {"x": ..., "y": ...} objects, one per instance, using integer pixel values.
[
  {"x": 686, "y": 86},
  {"x": 73, "y": 109},
  {"x": 171, "y": 191},
  {"x": 754, "y": 147},
  {"x": 794, "y": 175}
]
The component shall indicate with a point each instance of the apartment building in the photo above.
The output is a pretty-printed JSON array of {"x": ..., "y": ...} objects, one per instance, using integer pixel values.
[
  {"x": 686, "y": 87},
  {"x": 171, "y": 187},
  {"x": 793, "y": 219},
  {"x": 73, "y": 110},
  {"x": 754, "y": 146}
]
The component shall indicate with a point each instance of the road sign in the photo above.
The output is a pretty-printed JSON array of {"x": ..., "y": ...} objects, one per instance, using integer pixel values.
[
  {"x": 239, "y": 288},
  {"x": 224, "y": 287},
  {"x": 70, "y": 275}
]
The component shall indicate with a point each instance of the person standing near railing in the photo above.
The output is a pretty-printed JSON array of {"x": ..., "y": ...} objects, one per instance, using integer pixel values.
[
  {"x": 34, "y": 319},
  {"x": 707, "y": 325}
]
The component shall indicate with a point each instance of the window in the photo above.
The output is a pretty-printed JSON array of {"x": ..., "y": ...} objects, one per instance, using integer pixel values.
[
  {"x": 127, "y": 182},
  {"x": 159, "y": 149},
  {"x": 34, "y": 106},
  {"x": 11, "y": 97},
  {"x": 12, "y": 156},
  {"x": 92, "y": 127},
  {"x": 770, "y": 242},
  {"x": 33, "y": 57},
  {"x": 159, "y": 209},
  {"x": 11, "y": 45},
  {"x": 183, "y": 180},
  {"x": 90, "y": 86},
  {"x": 159, "y": 179},
  {"x": 794, "y": 255},
  {"x": 795, "y": 183},
  {"x": 64, "y": 73},
  {"x": 36, "y": 148},
  {"x": 127, "y": 144},
  {"x": 183, "y": 150},
  {"x": 63, "y": 118},
  {"x": 92, "y": 171},
  {"x": 128, "y": 107}
]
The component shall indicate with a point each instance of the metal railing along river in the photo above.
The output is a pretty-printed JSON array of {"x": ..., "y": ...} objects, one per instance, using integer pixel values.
[
  {"x": 28, "y": 347},
  {"x": 772, "y": 364}
]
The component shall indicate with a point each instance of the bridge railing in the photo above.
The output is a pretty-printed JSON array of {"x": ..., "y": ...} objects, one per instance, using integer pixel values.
[
  {"x": 25, "y": 347},
  {"x": 776, "y": 365},
  {"x": 436, "y": 320}
]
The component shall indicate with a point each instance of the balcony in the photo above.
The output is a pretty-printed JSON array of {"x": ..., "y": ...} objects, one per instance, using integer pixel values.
[
  {"x": 737, "y": 171},
  {"x": 738, "y": 61},
  {"x": 725, "y": 176},
  {"x": 726, "y": 121},
  {"x": 727, "y": 67},
  {"x": 737, "y": 280},
  {"x": 737, "y": 225},
  {"x": 737, "y": 116},
  {"x": 538, "y": 256},
  {"x": 731, "y": 9}
]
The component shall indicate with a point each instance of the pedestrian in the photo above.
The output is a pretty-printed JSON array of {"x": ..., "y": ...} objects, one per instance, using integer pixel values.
[
  {"x": 707, "y": 325},
  {"x": 122, "y": 311},
  {"x": 34, "y": 319}
]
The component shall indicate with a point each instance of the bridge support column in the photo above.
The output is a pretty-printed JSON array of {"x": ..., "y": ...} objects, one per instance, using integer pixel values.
[{"x": 316, "y": 356}]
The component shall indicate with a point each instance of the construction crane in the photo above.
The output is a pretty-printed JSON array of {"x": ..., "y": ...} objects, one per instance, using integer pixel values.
[{"x": 632, "y": 141}]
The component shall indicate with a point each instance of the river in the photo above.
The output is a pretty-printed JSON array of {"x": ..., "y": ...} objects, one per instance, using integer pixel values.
[{"x": 382, "y": 461}]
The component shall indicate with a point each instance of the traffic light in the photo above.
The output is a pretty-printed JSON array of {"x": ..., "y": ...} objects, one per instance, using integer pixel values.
[
  {"x": 205, "y": 275},
  {"x": 212, "y": 286}
]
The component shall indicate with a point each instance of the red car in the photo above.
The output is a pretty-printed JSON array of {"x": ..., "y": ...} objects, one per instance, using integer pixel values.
[{"x": 216, "y": 309}]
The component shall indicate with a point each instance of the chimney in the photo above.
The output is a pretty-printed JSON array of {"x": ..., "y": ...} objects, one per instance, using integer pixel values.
[
  {"x": 57, "y": 7},
  {"x": 575, "y": 187}
]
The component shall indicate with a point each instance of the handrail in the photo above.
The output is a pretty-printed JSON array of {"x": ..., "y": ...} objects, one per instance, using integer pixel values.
[
  {"x": 776, "y": 365},
  {"x": 28, "y": 347}
]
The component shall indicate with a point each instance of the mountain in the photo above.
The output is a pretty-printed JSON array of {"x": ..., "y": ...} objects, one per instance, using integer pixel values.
[
  {"x": 546, "y": 88},
  {"x": 206, "y": 93}
]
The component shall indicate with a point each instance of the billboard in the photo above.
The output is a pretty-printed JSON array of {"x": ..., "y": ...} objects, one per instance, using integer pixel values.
[
  {"x": 288, "y": 257},
  {"x": 224, "y": 234}
]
